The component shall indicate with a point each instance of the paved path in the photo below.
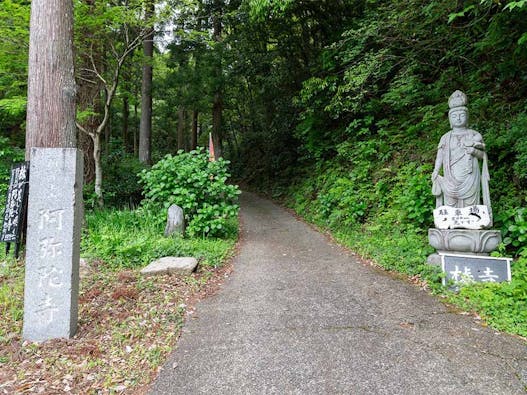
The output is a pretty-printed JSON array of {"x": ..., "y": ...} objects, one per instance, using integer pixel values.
[{"x": 301, "y": 316}]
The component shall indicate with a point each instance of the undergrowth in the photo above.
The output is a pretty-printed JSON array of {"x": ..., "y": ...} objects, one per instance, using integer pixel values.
[
  {"x": 133, "y": 238},
  {"x": 128, "y": 324},
  {"x": 503, "y": 305},
  {"x": 116, "y": 240}
]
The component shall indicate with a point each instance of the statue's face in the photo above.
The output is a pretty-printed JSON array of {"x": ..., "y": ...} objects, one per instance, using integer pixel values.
[{"x": 458, "y": 118}]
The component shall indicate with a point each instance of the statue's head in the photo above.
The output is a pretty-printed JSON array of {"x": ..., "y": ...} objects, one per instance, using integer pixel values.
[{"x": 458, "y": 114}]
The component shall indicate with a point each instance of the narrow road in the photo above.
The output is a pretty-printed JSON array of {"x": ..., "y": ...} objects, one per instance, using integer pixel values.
[{"x": 300, "y": 315}]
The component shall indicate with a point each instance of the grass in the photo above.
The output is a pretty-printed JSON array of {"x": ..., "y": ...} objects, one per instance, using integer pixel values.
[
  {"x": 503, "y": 305},
  {"x": 131, "y": 239},
  {"x": 127, "y": 323},
  {"x": 11, "y": 298}
]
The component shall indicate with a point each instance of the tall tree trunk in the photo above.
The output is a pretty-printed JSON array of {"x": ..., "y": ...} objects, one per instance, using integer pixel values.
[
  {"x": 51, "y": 82},
  {"x": 89, "y": 97},
  {"x": 126, "y": 116},
  {"x": 98, "y": 168},
  {"x": 217, "y": 106},
  {"x": 136, "y": 145},
  {"x": 107, "y": 135},
  {"x": 194, "y": 131},
  {"x": 145, "y": 131},
  {"x": 181, "y": 128},
  {"x": 86, "y": 145},
  {"x": 217, "y": 137}
]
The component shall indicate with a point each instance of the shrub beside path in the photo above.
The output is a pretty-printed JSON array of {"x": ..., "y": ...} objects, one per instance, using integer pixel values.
[{"x": 301, "y": 315}]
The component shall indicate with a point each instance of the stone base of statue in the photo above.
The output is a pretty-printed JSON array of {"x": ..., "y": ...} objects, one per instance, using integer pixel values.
[{"x": 462, "y": 241}]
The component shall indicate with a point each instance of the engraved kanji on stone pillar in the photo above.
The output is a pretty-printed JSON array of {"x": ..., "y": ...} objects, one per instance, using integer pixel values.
[{"x": 53, "y": 241}]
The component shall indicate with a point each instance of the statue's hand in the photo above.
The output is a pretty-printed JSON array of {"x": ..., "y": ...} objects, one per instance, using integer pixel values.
[{"x": 471, "y": 150}]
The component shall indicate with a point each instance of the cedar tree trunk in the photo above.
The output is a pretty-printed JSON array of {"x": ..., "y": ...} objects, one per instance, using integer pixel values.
[
  {"x": 145, "y": 131},
  {"x": 51, "y": 81}
]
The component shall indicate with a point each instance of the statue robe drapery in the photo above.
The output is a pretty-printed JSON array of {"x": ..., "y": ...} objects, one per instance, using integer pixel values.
[{"x": 463, "y": 180}]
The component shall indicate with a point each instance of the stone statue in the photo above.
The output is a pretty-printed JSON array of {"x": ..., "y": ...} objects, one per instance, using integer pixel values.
[
  {"x": 460, "y": 184},
  {"x": 461, "y": 154}
]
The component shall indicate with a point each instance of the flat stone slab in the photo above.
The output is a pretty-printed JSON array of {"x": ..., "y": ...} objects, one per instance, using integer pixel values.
[{"x": 170, "y": 264}]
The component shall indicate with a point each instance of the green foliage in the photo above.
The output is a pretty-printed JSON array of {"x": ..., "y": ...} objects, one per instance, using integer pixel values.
[
  {"x": 413, "y": 197},
  {"x": 261, "y": 8},
  {"x": 121, "y": 187},
  {"x": 511, "y": 5},
  {"x": 12, "y": 112},
  {"x": 514, "y": 229},
  {"x": 501, "y": 305},
  {"x": 198, "y": 186},
  {"x": 8, "y": 156},
  {"x": 131, "y": 239},
  {"x": 122, "y": 179},
  {"x": 14, "y": 41}
]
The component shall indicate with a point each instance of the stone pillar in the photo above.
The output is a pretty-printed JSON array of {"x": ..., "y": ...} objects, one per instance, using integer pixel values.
[{"x": 55, "y": 214}]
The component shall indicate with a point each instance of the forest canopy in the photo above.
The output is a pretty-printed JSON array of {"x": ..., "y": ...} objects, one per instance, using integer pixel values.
[{"x": 334, "y": 106}]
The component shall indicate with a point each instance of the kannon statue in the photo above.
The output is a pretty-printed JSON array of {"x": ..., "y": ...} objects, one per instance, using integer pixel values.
[{"x": 462, "y": 157}]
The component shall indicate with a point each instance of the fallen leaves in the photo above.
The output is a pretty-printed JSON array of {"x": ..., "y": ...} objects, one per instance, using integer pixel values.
[{"x": 127, "y": 327}]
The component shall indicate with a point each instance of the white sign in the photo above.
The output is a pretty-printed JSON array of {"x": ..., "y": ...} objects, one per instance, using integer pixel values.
[{"x": 473, "y": 217}]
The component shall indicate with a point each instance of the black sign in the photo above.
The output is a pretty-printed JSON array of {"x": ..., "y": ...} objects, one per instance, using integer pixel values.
[
  {"x": 474, "y": 268},
  {"x": 16, "y": 201}
]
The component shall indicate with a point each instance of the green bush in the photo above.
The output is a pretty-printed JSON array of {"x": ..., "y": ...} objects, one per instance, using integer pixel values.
[
  {"x": 198, "y": 186},
  {"x": 413, "y": 195},
  {"x": 121, "y": 187},
  {"x": 121, "y": 184},
  {"x": 12, "y": 113},
  {"x": 514, "y": 229},
  {"x": 342, "y": 203},
  {"x": 131, "y": 239}
]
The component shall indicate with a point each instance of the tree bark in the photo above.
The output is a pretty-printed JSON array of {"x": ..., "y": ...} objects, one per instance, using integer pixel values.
[
  {"x": 217, "y": 106},
  {"x": 135, "y": 137},
  {"x": 89, "y": 94},
  {"x": 145, "y": 131},
  {"x": 98, "y": 168},
  {"x": 181, "y": 128},
  {"x": 126, "y": 118},
  {"x": 51, "y": 82},
  {"x": 107, "y": 134},
  {"x": 217, "y": 110},
  {"x": 194, "y": 131}
]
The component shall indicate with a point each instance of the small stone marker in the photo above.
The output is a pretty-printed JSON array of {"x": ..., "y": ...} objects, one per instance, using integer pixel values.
[
  {"x": 475, "y": 268},
  {"x": 53, "y": 240},
  {"x": 170, "y": 264},
  {"x": 175, "y": 220},
  {"x": 472, "y": 217}
]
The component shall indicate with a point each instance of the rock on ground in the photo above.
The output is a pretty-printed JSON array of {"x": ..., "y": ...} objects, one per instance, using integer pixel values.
[{"x": 170, "y": 264}]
